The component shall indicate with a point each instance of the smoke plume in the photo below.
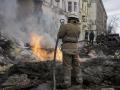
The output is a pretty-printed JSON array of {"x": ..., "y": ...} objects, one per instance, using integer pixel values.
[{"x": 20, "y": 18}]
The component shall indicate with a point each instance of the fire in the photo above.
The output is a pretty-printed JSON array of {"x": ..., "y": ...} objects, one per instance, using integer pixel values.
[{"x": 40, "y": 52}]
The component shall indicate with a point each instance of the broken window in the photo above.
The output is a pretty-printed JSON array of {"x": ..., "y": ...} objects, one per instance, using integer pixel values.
[
  {"x": 70, "y": 6},
  {"x": 38, "y": 9},
  {"x": 38, "y": 6},
  {"x": 75, "y": 6}
]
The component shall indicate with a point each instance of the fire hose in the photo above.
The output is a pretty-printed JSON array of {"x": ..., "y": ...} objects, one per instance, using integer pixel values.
[
  {"x": 54, "y": 65},
  {"x": 54, "y": 60}
]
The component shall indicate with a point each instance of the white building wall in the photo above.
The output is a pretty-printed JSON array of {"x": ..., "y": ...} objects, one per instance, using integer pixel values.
[
  {"x": 93, "y": 16},
  {"x": 93, "y": 12},
  {"x": 81, "y": 4}
]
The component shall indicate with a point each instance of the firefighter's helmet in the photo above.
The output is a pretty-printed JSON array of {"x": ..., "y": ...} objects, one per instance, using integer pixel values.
[{"x": 73, "y": 17}]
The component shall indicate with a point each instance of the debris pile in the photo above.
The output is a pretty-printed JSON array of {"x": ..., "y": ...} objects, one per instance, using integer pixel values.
[
  {"x": 99, "y": 72},
  {"x": 19, "y": 70}
]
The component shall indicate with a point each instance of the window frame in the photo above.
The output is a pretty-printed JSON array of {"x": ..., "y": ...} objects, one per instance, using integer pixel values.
[
  {"x": 69, "y": 6},
  {"x": 75, "y": 6}
]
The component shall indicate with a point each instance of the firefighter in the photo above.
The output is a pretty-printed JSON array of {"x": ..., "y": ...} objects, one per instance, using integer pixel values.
[{"x": 69, "y": 34}]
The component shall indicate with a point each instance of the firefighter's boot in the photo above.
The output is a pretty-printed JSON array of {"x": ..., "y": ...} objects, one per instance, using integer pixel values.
[
  {"x": 67, "y": 77},
  {"x": 76, "y": 72},
  {"x": 66, "y": 80}
]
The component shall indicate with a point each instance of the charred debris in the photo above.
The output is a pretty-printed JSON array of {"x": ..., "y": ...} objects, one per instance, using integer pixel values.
[{"x": 19, "y": 69}]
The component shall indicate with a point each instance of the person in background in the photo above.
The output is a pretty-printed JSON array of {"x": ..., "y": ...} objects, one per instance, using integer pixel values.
[
  {"x": 91, "y": 37},
  {"x": 86, "y": 36}
]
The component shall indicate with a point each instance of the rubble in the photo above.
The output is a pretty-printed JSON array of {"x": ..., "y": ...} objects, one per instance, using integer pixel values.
[
  {"x": 98, "y": 72},
  {"x": 16, "y": 82},
  {"x": 25, "y": 56},
  {"x": 44, "y": 86},
  {"x": 19, "y": 70}
]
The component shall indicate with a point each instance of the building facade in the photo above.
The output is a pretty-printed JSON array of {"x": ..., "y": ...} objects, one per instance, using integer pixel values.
[
  {"x": 101, "y": 20},
  {"x": 97, "y": 17},
  {"x": 93, "y": 17},
  {"x": 92, "y": 14},
  {"x": 84, "y": 17}
]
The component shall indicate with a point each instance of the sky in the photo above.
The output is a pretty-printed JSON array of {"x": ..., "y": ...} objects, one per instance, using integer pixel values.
[{"x": 113, "y": 9}]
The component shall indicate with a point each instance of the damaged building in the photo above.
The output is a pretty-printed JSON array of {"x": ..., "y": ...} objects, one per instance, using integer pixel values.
[{"x": 91, "y": 13}]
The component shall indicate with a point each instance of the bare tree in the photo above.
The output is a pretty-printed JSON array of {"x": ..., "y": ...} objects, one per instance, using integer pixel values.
[{"x": 113, "y": 24}]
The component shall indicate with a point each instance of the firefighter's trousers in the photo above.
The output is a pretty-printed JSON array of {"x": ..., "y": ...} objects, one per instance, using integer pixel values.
[{"x": 72, "y": 70}]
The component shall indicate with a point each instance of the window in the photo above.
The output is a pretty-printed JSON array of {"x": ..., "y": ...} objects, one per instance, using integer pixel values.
[
  {"x": 75, "y": 6},
  {"x": 37, "y": 5},
  {"x": 70, "y": 6},
  {"x": 83, "y": 18},
  {"x": 51, "y": 2},
  {"x": 63, "y": 4},
  {"x": 84, "y": 26}
]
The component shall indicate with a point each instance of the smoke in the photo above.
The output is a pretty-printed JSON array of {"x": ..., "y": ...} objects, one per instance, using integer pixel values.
[{"x": 21, "y": 18}]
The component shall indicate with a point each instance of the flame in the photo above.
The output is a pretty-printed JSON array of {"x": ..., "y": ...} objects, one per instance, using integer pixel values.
[{"x": 40, "y": 52}]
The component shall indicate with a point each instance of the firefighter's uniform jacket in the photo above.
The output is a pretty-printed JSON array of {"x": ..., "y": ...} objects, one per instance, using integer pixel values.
[{"x": 69, "y": 33}]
